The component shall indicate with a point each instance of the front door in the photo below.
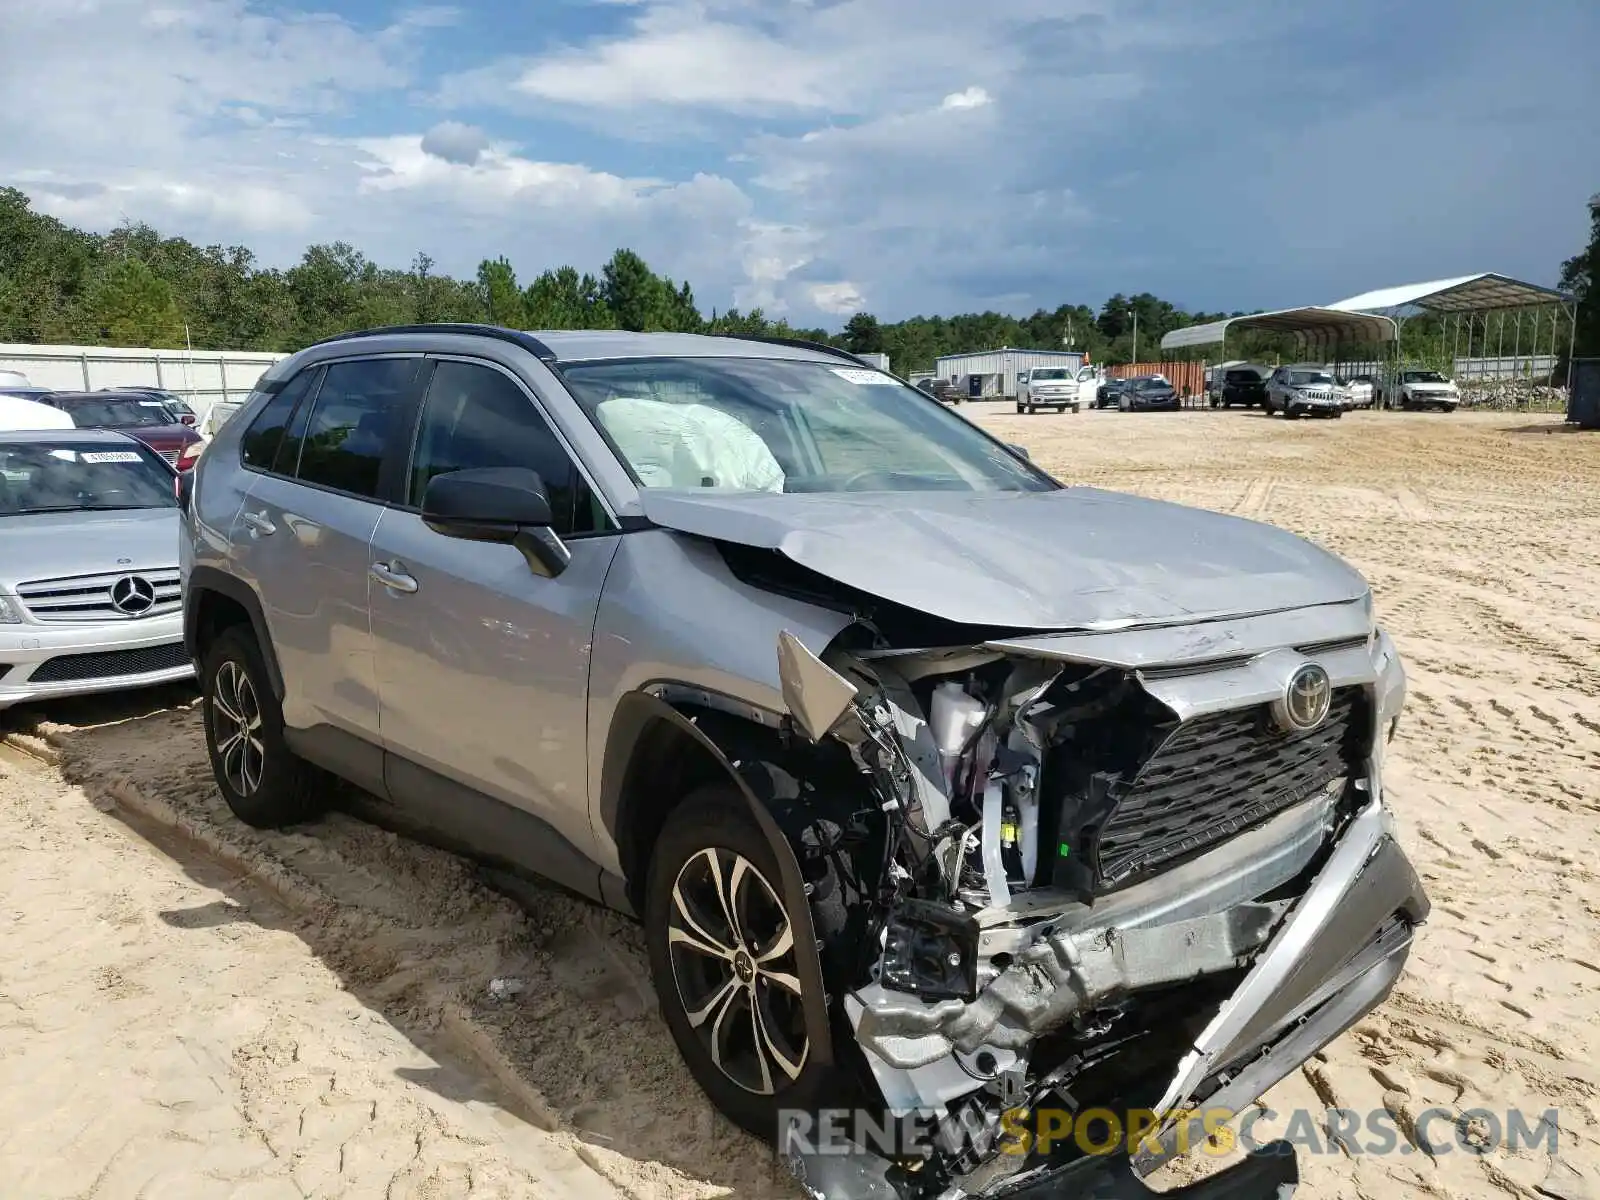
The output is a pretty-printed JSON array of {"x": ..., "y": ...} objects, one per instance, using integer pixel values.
[{"x": 483, "y": 664}]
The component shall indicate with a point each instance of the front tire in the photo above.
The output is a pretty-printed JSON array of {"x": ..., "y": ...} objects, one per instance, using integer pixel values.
[
  {"x": 725, "y": 962},
  {"x": 264, "y": 783}
]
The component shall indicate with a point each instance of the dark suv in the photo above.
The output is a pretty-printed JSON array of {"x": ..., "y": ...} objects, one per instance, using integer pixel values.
[
  {"x": 939, "y": 787},
  {"x": 1242, "y": 385}
]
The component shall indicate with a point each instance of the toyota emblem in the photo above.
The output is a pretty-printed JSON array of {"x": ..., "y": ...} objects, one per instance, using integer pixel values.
[
  {"x": 1306, "y": 699},
  {"x": 133, "y": 595}
]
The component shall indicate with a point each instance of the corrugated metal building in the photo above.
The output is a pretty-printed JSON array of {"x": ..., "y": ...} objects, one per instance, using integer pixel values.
[
  {"x": 879, "y": 360},
  {"x": 995, "y": 371}
]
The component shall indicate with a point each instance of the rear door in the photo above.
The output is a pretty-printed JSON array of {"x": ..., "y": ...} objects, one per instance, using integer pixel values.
[
  {"x": 483, "y": 664},
  {"x": 302, "y": 540}
]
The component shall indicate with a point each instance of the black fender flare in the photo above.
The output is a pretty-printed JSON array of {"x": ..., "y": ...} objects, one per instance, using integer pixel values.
[
  {"x": 636, "y": 712},
  {"x": 209, "y": 579}
]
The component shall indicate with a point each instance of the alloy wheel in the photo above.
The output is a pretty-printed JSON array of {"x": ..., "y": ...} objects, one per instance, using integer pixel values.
[
  {"x": 731, "y": 946},
  {"x": 236, "y": 729}
]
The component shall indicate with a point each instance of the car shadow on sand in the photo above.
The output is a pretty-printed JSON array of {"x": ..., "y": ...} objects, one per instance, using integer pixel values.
[{"x": 540, "y": 1005}]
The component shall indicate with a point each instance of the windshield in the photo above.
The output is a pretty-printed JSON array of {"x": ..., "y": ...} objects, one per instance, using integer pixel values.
[
  {"x": 57, "y": 476},
  {"x": 1153, "y": 385},
  {"x": 1309, "y": 378},
  {"x": 1243, "y": 377},
  {"x": 1049, "y": 373},
  {"x": 117, "y": 413},
  {"x": 784, "y": 425},
  {"x": 1423, "y": 377}
]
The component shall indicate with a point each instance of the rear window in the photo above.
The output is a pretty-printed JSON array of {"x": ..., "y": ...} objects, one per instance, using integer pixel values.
[
  {"x": 1243, "y": 377},
  {"x": 116, "y": 413}
]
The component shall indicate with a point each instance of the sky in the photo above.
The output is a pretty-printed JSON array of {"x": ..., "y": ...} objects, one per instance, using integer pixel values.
[{"x": 818, "y": 157}]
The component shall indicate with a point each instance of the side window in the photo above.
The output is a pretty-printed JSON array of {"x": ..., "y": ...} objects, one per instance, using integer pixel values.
[
  {"x": 349, "y": 425},
  {"x": 476, "y": 417},
  {"x": 266, "y": 434}
]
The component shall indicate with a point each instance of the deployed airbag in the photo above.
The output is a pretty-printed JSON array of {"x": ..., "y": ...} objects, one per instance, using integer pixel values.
[{"x": 689, "y": 446}]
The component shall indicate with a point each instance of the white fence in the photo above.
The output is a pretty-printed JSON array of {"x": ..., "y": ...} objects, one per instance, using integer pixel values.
[{"x": 202, "y": 377}]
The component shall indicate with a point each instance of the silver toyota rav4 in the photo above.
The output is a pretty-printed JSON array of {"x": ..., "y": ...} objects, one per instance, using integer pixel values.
[{"x": 948, "y": 795}]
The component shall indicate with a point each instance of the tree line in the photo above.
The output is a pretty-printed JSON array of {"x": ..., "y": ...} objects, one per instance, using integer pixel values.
[{"x": 134, "y": 287}]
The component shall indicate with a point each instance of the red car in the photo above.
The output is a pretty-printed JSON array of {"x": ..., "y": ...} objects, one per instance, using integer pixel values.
[{"x": 136, "y": 414}]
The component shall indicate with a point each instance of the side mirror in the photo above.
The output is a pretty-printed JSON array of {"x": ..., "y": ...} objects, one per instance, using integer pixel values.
[
  {"x": 497, "y": 504},
  {"x": 1020, "y": 451}
]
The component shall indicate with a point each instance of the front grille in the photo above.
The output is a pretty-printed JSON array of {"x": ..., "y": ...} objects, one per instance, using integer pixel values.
[
  {"x": 1219, "y": 775},
  {"x": 90, "y": 597},
  {"x": 106, "y": 664}
]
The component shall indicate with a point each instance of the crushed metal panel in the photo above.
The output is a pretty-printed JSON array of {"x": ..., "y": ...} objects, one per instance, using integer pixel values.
[{"x": 974, "y": 558}]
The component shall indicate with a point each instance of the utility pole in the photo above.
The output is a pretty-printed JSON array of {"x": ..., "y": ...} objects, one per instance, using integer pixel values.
[{"x": 1135, "y": 313}]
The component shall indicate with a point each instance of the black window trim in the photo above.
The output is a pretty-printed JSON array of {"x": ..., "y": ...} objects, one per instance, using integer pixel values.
[
  {"x": 410, "y": 404},
  {"x": 407, "y": 456},
  {"x": 281, "y": 386}
]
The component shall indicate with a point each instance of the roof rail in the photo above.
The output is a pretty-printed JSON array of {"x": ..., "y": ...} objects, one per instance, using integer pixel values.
[
  {"x": 515, "y": 336},
  {"x": 798, "y": 344}
]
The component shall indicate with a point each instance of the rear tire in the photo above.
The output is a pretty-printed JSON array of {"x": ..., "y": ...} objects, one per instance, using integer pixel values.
[
  {"x": 725, "y": 965},
  {"x": 264, "y": 783}
]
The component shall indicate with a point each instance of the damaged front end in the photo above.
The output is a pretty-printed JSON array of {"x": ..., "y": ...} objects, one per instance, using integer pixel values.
[{"x": 1128, "y": 871}]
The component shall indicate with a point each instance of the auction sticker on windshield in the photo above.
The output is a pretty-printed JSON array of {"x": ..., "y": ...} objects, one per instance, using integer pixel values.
[
  {"x": 866, "y": 378},
  {"x": 111, "y": 456}
]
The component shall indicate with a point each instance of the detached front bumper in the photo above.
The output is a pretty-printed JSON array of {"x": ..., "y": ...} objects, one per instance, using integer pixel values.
[
  {"x": 47, "y": 662},
  {"x": 1334, "y": 960}
]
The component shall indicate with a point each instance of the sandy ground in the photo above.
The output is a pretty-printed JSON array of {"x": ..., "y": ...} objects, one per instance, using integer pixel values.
[{"x": 188, "y": 1007}]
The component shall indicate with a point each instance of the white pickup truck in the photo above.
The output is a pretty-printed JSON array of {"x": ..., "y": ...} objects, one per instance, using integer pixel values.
[{"x": 1059, "y": 388}]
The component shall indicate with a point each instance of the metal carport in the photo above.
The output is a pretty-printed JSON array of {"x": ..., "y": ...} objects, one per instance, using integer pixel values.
[
  {"x": 1323, "y": 333},
  {"x": 1485, "y": 294}
]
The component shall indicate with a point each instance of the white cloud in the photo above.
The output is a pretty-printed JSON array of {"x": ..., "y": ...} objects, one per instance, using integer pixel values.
[
  {"x": 679, "y": 59},
  {"x": 840, "y": 299},
  {"x": 972, "y": 97}
]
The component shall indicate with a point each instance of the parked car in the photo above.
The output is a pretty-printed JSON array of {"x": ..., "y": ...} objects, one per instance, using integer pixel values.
[
  {"x": 17, "y": 412},
  {"x": 137, "y": 415},
  {"x": 89, "y": 596},
  {"x": 1052, "y": 387},
  {"x": 1418, "y": 391},
  {"x": 174, "y": 403},
  {"x": 1148, "y": 393},
  {"x": 1108, "y": 391},
  {"x": 1304, "y": 390},
  {"x": 39, "y": 395},
  {"x": 933, "y": 781},
  {"x": 1358, "y": 392},
  {"x": 942, "y": 390},
  {"x": 1241, "y": 385}
]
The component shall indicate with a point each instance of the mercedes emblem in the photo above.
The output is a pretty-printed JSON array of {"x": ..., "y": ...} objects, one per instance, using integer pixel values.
[{"x": 133, "y": 595}]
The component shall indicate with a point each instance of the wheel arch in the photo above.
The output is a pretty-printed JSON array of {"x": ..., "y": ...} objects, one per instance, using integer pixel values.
[
  {"x": 214, "y": 601},
  {"x": 663, "y": 743}
]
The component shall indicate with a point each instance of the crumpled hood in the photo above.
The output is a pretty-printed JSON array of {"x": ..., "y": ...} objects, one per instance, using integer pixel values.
[
  {"x": 1077, "y": 558},
  {"x": 52, "y": 545}
]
